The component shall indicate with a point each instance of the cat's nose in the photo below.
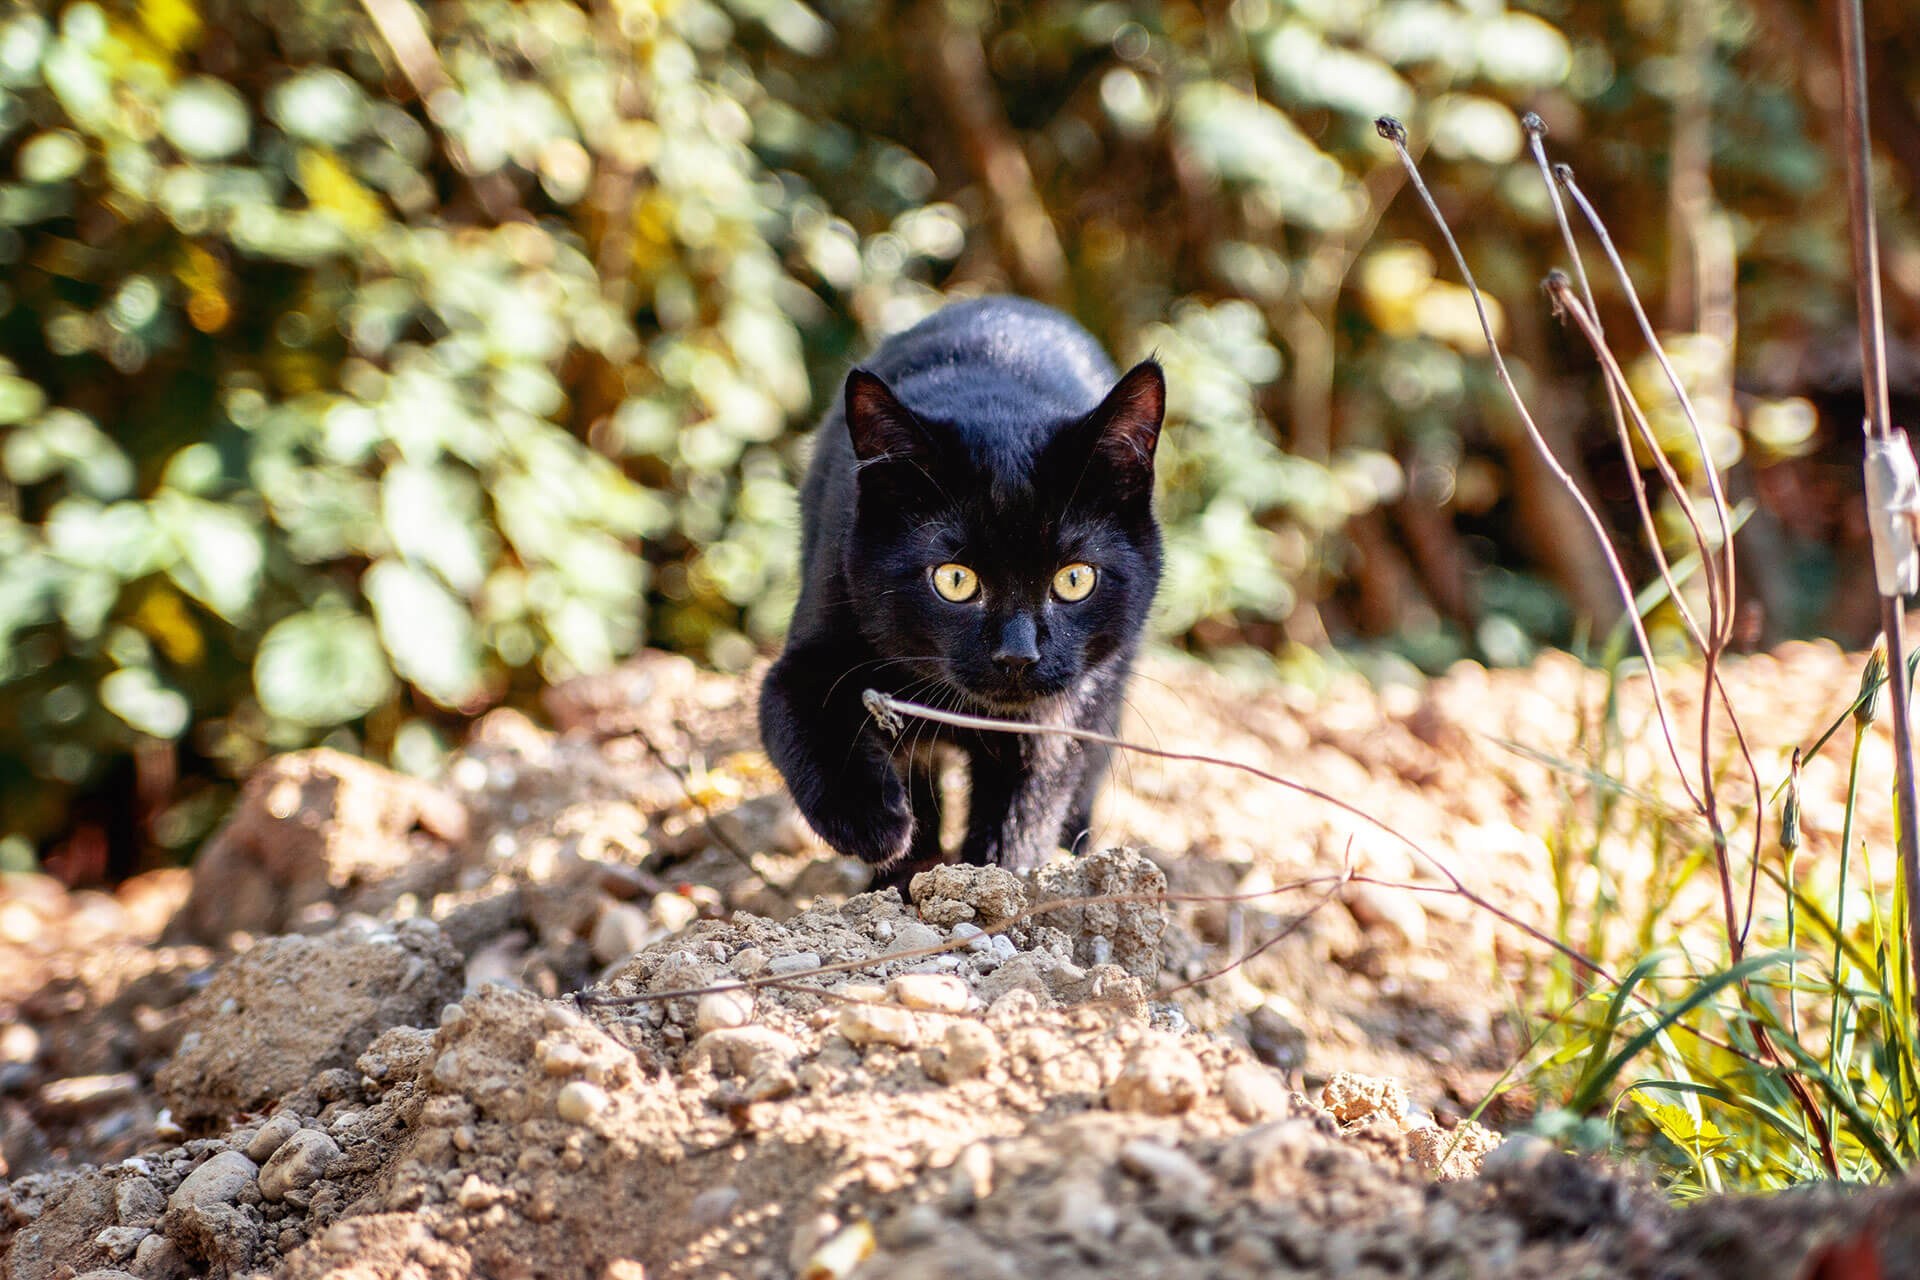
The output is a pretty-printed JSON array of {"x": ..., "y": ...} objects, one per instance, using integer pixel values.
[{"x": 1018, "y": 648}]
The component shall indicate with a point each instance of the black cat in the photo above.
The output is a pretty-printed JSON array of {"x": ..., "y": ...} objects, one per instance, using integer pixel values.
[{"x": 978, "y": 535}]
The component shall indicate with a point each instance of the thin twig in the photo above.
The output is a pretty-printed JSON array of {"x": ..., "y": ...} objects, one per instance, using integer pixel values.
[
  {"x": 1396, "y": 133},
  {"x": 707, "y": 815}
]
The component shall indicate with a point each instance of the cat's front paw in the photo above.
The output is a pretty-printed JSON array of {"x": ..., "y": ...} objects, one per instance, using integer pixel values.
[{"x": 875, "y": 833}]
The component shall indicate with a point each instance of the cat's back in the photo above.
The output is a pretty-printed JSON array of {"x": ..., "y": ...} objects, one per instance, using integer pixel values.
[{"x": 997, "y": 363}]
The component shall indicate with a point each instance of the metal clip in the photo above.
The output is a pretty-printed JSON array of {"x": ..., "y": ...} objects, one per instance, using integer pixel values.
[{"x": 1893, "y": 513}]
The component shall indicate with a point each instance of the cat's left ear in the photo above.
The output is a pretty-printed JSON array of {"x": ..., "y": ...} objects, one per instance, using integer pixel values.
[{"x": 1126, "y": 426}]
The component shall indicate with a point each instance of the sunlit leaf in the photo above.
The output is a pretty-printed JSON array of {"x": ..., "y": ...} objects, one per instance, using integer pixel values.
[
  {"x": 323, "y": 667},
  {"x": 206, "y": 119},
  {"x": 137, "y": 696},
  {"x": 427, "y": 632}
]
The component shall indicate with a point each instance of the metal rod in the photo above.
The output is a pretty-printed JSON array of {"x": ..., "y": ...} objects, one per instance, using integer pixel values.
[{"x": 1873, "y": 379}]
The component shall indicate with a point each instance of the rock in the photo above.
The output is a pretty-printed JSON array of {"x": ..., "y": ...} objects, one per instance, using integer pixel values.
[
  {"x": 966, "y": 1050},
  {"x": 718, "y": 1009},
  {"x": 159, "y": 1258},
  {"x": 203, "y": 1218},
  {"x": 1130, "y": 930},
  {"x": 865, "y": 1024},
  {"x": 1353, "y": 1098},
  {"x": 620, "y": 930},
  {"x": 121, "y": 1242},
  {"x": 106, "y": 1273},
  {"x": 300, "y": 1162},
  {"x": 1175, "y": 1173},
  {"x": 1158, "y": 1078},
  {"x": 1275, "y": 1039},
  {"x": 929, "y": 991},
  {"x": 914, "y": 936},
  {"x": 988, "y": 896},
  {"x": 742, "y": 1051},
  {"x": 290, "y": 1007},
  {"x": 796, "y": 962},
  {"x": 1379, "y": 909},
  {"x": 220, "y": 1179},
  {"x": 1452, "y": 1154},
  {"x": 137, "y": 1202},
  {"x": 976, "y": 937},
  {"x": 713, "y": 1206},
  {"x": 1254, "y": 1094},
  {"x": 674, "y": 912},
  {"x": 581, "y": 1102},
  {"x": 397, "y": 1055},
  {"x": 275, "y": 1131},
  {"x": 312, "y": 827}
]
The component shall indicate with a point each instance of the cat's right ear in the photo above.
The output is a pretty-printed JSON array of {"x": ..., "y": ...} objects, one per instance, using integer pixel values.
[{"x": 880, "y": 426}]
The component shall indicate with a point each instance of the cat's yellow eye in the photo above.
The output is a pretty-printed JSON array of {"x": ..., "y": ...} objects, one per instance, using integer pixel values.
[
  {"x": 956, "y": 582},
  {"x": 1075, "y": 582}
]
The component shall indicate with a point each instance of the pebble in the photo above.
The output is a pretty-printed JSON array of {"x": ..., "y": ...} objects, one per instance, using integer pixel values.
[
  {"x": 81, "y": 1094},
  {"x": 978, "y": 941},
  {"x": 221, "y": 1180},
  {"x": 1160, "y": 1080},
  {"x": 1253, "y": 1093},
  {"x": 798, "y": 962},
  {"x": 1377, "y": 908},
  {"x": 967, "y": 1049},
  {"x": 580, "y": 1102},
  {"x": 19, "y": 1043},
  {"x": 1003, "y": 948},
  {"x": 300, "y": 1162},
  {"x": 119, "y": 1243},
  {"x": 809, "y": 1236},
  {"x": 878, "y": 1024},
  {"x": 713, "y": 1206},
  {"x": 137, "y": 1202},
  {"x": 1173, "y": 1171},
  {"x": 1084, "y": 1213},
  {"x": 915, "y": 936},
  {"x": 750, "y": 962},
  {"x": 275, "y": 1131},
  {"x": 840, "y": 1254},
  {"x": 740, "y": 1051},
  {"x": 674, "y": 911},
  {"x": 621, "y": 929},
  {"x": 158, "y": 1257},
  {"x": 730, "y": 1008},
  {"x": 560, "y": 1058},
  {"x": 929, "y": 991},
  {"x": 971, "y": 1179}
]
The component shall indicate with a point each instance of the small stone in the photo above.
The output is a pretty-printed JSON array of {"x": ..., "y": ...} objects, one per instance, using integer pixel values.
[
  {"x": 674, "y": 911},
  {"x": 275, "y": 1131},
  {"x": 79, "y": 1095},
  {"x": 1353, "y": 1098},
  {"x": 1379, "y": 909},
  {"x": 1274, "y": 1037},
  {"x": 915, "y": 936},
  {"x": 620, "y": 930},
  {"x": 967, "y": 1049},
  {"x": 809, "y": 1236},
  {"x": 929, "y": 991},
  {"x": 977, "y": 940},
  {"x": 865, "y": 1024},
  {"x": 137, "y": 1202},
  {"x": 730, "y": 1008},
  {"x": 624, "y": 1269},
  {"x": 220, "y": 1180},
  {"x": 158, "y": 1258},
  {"x": 745, "y": 1051},
  {"x": 797, "y": 962},
  {"x": 19, "y": 1043},
  {"x": 971, "y": 1179},
  {"x": 750, "y": 962},
  {"x": 581, "y": 1102},
  {"x": 1519, "y": 1156},
  {"x": 1083, "y": 1214},
  {"x": 1452, "y": 1154},
  {"x": 476, "y": 1194},
  {"x": 119, "y": 1243},
  {"x": 1253, "y": 1093},
  {"x": 560, "y": 1058},
  {"x": 840, "y": 1254},
  {"x": 300, "y": 1162},
  {"x": 1174, "y": 1172},
  {"x": 713, "y": 1206},
  {"x": 1003, "y": 948},
  {"x": 1158, "y": 1079}
]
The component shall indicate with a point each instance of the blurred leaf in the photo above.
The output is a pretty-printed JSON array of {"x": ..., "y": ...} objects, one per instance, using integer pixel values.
[
  {"x": 323, "y": 667},
  {"x": 136, "y": 695},
  {"x": 426, "y": 631}
]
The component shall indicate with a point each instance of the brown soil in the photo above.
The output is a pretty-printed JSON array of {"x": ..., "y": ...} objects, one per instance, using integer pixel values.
[{"x": 596, "y": 1005}]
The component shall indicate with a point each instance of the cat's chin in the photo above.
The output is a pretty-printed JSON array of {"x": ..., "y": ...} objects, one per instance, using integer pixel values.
[{"x": 1011, "y": 704}]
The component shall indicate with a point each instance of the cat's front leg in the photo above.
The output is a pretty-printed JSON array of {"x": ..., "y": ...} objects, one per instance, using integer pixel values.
[
  {"x": 837, "y": 767},
  {"x": 1020, "y": 790}
]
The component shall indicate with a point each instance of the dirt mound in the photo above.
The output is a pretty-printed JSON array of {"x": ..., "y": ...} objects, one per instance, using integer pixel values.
[{"x": 595, "y": 1004}]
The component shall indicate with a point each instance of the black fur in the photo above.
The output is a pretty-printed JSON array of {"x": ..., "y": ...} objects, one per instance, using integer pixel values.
[{"x": 993, "y": 434}]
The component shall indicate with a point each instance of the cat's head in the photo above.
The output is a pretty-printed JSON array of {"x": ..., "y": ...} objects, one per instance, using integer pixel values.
[{"x": 1002, "y": 563}]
